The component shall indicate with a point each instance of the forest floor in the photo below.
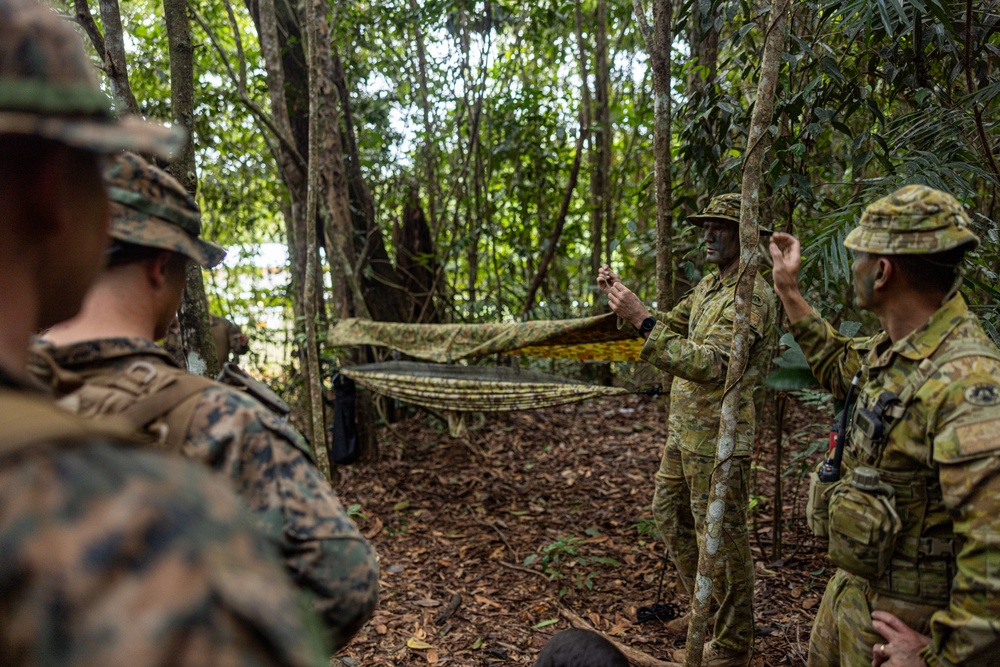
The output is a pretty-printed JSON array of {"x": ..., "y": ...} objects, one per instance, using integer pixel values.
[{"x": 485, "y": 539}]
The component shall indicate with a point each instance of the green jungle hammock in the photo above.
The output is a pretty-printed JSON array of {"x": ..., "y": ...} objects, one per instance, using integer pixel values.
[{"x": 472, "y": 388}]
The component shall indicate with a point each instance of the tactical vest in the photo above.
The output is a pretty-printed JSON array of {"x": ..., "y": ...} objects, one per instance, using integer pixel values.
[
  {"x": 920, "y": 568},
  {"x": 27, "y": 420}
]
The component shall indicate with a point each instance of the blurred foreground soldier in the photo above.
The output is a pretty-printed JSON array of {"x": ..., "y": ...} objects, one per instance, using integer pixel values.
[
  {"x": 579, "y": 648},
  {"x": 110, "y": 555},
  {"x": 692, "y": 341},
  {"x": 109, "y": 349},
  {"x": 914, "y": 522}
]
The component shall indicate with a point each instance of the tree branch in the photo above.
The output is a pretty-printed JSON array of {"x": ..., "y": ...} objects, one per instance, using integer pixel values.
[{"x": 86, "y": 21}]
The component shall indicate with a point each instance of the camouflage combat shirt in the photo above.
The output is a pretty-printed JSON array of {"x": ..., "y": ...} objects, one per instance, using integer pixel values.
[
  {"x": 692, "y": 342},
  {"x": 111, "y": 555},
  {"x": 267, "y": 462},
  {"x": 943, "y": 458}
]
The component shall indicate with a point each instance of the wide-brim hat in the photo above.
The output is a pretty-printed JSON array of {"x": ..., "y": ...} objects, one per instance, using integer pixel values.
[
  {"x": 150, "y": 208},
  {"x": 914, "y": 220},
  {"x": 48, "y": 89},
  {"x": 723, "y": 207}
]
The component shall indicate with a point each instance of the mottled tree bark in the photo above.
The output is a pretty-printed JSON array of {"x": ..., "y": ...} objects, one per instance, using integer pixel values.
[
  {"x": 196, "y": 333},
  {"x": 113, "y": 51},
  {"x": 753, "y": 160},
  {"x": 321, "y": 93},
  {"x": 658, "y": 45}
]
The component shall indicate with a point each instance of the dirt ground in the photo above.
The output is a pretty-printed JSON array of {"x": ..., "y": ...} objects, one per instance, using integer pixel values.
[{"x": 485, "y": 539}]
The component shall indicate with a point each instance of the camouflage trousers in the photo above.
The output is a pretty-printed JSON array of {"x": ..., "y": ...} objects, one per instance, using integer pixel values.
[
  {"x": 843, "y": 633},
  {"x": 679, "y": 504}
]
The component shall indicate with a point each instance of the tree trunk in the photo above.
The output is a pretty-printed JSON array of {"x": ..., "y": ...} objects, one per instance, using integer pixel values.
[
  {"x": 196, "y": 332},
  {"x": 429, "y": 154},
  {"x": 321, "y": 143},
  {"x": 111, "y": 50},
  {"x": 757, "y": 142},
  {"x": 658, "y": 45}
]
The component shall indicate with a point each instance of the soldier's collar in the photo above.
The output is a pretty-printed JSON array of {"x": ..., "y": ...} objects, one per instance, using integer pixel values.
[
  {"x": 105, "y": 349},
  {"x": 925, "y": 340}
]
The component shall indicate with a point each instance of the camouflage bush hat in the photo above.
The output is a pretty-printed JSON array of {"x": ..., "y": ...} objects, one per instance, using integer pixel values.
[
  {"x": 150, "y": 208},
  {"x": 722, "y": 207},
  {"x": 48, "y": 88},
  {"x": 914, "y": 220}
]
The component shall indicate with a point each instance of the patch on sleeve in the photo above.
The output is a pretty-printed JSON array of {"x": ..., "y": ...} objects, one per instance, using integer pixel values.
[
  {"x": 983, "y": 394},
  {"x": 977, "y": 438}
]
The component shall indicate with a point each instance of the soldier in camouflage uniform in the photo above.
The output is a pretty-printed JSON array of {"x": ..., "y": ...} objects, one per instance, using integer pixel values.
[
  {"x": 914, "y": 521},
  {"x": 110, "y": 555},
  {"x": 692, "y": 341},
  {"x": 108, "y": 348}
]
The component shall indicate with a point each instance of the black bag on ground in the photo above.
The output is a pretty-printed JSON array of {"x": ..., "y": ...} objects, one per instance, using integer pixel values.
[{"x": 343, "y": 431}]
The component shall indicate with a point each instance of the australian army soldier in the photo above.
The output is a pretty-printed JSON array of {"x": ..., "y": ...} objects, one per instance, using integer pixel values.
[
  {"x": 914, "y": 521},
  {"x": 108, "y": 349},
  {"x": 692, "y": 341},
  {"x": 111, "y": 555}
]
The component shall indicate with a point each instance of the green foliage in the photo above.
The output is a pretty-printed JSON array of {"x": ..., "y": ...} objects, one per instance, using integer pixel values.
[
  {"x": 871, "y": 96},
  {"x": 564, "y": 553}
]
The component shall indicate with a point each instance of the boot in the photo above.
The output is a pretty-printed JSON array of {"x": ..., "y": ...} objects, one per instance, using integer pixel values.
[
  {"x": 717, "y": 657},
  {"x": 679, "y": 625}
]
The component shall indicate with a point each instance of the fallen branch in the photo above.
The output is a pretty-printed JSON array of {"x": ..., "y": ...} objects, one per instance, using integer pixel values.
[
  {"x": 524, "y": 569},
  {"x": 456, "y": 600},
  {"x": 635, "y": 657}
]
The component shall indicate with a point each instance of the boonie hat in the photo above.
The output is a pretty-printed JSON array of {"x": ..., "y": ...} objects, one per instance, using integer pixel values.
[
  {"x": 48, "y": 88},
  {"x": 150, "y": 208},
  {"x": 722, "y": 207},
  {"x": 914, "y": 220}
]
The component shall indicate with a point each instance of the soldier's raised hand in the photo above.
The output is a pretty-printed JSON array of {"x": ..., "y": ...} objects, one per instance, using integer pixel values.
[
  {"x": 606, "y": 278},
  {"x": 786, "y": 253}
]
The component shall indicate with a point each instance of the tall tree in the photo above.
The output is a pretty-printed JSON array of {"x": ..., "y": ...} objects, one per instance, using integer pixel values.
[
  {"x": 659, "y": 42},
  {"x": 196, "y": 331},
  {"x": 753, "y": 161}
]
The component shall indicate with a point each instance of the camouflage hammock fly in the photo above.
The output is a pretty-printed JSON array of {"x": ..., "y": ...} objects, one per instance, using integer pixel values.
[
  {"x": 449, "y": 387},
  {"x": 472, "y": 388},
  {"x": 586, "y": 339}
]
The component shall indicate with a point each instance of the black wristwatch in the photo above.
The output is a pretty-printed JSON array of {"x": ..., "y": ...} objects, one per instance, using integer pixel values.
[{"x": 646, "y": 326}]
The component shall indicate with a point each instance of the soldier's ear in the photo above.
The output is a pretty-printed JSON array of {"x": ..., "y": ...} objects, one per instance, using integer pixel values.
[
  {"x": 158, "y": 269},
  {"x": 884, "y": 271}
]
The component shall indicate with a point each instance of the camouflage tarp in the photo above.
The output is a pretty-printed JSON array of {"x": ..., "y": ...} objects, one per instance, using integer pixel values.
[
  {"x": 588, "y": 339},
  {"x": 472, "y": 388}
]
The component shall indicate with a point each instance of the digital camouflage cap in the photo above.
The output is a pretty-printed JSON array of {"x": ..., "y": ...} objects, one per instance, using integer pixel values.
[
  {"x": 914, "y": 220},
  {"x": 48, "y": 88},
  {"x": 722, "y": 207},
  {"x": 150, "y": 208}
]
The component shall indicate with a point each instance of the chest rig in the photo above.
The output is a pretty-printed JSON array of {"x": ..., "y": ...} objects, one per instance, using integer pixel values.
[{"x": 889, "y": 525}]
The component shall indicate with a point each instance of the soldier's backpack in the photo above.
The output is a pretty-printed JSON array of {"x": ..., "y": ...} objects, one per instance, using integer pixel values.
[{"x": 154, "y": 401}]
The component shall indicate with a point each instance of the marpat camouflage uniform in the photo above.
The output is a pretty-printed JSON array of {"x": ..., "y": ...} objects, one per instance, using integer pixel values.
[
  {"x": 266, "y": 460},
  {"x": 268, "y": 464},
  {"x": 115, "y": 556},
  {"x": 941, "y": 456},
  {"x": 692, "y": 342},
  {"x": 110, "y": 555}
]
